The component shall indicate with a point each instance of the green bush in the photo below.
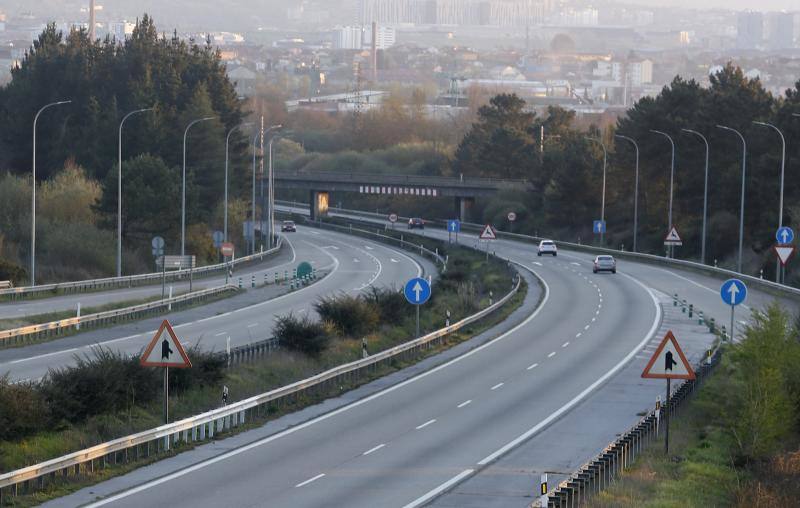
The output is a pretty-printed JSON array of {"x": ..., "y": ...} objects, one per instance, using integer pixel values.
[
  {"x": 302, "y": 335},
  {"x": 390, "y": 304},
  {"x": 351, "y": 316},
  {"x": 105, "y": 382},
  {"x": 23, "y": 410},
  {"x": 208, "y": 369},
  {"x": 12, "y": 271}
]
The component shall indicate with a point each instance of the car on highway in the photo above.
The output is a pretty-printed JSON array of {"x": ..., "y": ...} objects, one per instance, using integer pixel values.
[
  {"x": 416, "y": 223},
  {"x": 288, "y": 226},
  {"x": 605, "y": 263},
  {"x": 547, "y": 247}
]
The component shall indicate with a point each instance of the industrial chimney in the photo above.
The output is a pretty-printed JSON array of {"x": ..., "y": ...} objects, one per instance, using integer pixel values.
[
  {"x": 91, "y": 21},
  {"x": 374, "y": 52}
]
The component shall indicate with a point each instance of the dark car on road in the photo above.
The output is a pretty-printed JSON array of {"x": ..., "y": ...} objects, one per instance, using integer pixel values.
[
  {"x": 416, "y": 223},
  {"x": 288, "y": 226}
]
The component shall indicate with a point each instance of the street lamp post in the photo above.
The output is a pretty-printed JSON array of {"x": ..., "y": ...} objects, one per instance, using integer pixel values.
[
  {"x": 252, "y": 235},
  {"x": 227, "y": 143},
  {"x": 271, "y": 190},
  {"x": 635, "y": 190},
  {"x": 183, "y": 189},
  {"x": 33, "y": 194},
  {"x": 705, "y": 197},
  {"x": 603, "y": 199},
  {"x": 119, "y": 189},
  {"x": 671, "y": 182},
  {"x": 744, "y": 174},
  {"x": 783, "y": 166}
]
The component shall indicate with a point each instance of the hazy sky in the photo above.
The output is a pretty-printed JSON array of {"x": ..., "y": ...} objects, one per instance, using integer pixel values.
[{"x": 760, "y": 5}]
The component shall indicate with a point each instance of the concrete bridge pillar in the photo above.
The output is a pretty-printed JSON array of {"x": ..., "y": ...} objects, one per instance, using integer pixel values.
[
  {"x": 319, "y": 204},
  {"x": 463, "y": 207}
]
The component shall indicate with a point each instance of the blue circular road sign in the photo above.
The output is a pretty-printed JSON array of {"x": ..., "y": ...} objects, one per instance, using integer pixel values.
[
  {"x": 784, "y": 235},
  {"x": 417, "y": 291},
  {"x": 733, "y": 292}
]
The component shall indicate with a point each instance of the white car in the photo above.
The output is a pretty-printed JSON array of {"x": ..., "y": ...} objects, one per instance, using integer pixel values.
[
  {"x": 547, "y": 247},
  {"x": 605, "y": 264}
]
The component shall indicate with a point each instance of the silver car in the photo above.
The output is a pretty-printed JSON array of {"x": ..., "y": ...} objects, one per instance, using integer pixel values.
[{"x": 605, "y": 263}]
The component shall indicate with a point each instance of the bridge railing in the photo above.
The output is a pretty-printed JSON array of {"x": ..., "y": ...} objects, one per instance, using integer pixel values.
[
  {"x": 82, "y": 286},
  {"x": 395, "y": 179},
  {"x": 204, "y": 426}
]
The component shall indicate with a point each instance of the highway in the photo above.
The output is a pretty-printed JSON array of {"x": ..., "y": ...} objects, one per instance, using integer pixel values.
[
  {"x": 405, "y": 444},
  {"x": 351, "y": 266},
  {"x": 14, "y": 309}
]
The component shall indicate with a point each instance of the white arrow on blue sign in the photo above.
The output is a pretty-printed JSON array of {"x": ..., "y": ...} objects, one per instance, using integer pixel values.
[
  {"x": 733, "y": 292},
  {"x": 599, "y": 226},
  {"x": 784, "y": 235},
  {"x": 454, "y": 226},
  {"x": 417, "y": 291}
]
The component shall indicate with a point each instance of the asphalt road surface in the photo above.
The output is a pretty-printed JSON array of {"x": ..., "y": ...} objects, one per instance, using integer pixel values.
[{"x": 352, "y": 265}]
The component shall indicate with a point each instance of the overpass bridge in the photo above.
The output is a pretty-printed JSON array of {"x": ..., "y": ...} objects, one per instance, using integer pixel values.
[{"x": 463, "y": 190}]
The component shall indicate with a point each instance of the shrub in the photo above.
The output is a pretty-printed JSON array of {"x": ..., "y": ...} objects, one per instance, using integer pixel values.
[
  {"x": 23, "y": 410},
  {"x": 12, "y": 271},
  {"x": 390, "y": 304},
  {"x": 350, "y": 315},
  {"x": 107, "y": 381},
  {"x": 208, "y": 369},
  {"x": 302, "y": 335}
]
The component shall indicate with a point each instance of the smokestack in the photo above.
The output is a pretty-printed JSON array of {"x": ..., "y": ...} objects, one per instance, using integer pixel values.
[
  {"x": 374, "y": 52},
  {"x": 91, "y": 20}
]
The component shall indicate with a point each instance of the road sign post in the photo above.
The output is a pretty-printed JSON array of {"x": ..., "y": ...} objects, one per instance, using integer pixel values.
[
  {"x": 453, "y": 228},
  {"x": 511, "y": 218},
  {"x": 785, "y": 237},
  {"x": 671, "y": 240},
  {"x": 487, "y": 235},
  {"x": 599, "y": 228},
  {"x": 165, "y": 350},
  {"x": 393, "y": 219},
  {"x": 668, "y": 362},
  {"x": 733, "y": 293},
  {"x": 417, "y": 291}
]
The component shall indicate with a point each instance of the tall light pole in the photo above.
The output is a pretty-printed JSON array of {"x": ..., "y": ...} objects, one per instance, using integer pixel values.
[
  {"x": 671, "y": 181},
  {"x": 635, "y": 189},
  {"x": 33, "y": 194},
  {"x": 744, "y": 174},
  {"x": 783, "y": 167},
  {"x": 227, "y": 143},
  {"x": 705, "y": 197},
  {"x": 271, "y": 190},
  {"x": 252, "y": 239},
  {"x": 603, "y": 199},
  {"x": 119, "y": 189},
  {"x": 183, "y": 189}
]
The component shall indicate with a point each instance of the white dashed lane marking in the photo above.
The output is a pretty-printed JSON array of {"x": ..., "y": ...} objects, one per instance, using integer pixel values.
[
  {"x": 551, "y": 354},
  {"x": 429, "y": 422},
  {"x": 301, "y": 484},
  {"x": 375, "y": 449},
  {"x": 498, "y": 385},
  {"x": 465, "y": 403}
]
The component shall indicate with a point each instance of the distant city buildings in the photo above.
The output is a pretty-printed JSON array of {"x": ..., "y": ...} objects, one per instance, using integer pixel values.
[
  {"x": 749, "y": 30},
  {"x": 455, "y": 12},
  {"x": 358, "y": 37}
]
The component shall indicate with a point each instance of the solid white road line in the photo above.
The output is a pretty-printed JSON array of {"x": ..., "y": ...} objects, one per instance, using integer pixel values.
[
  {"x": 498, "y": 385},
  {"x": 438, "y": 490},
  {"x": 465, "y": 403},
  {"x": 326, "y": 416},
  {"x": 429, "y": 422},
  {"x": 589, "y": 389},
  {"x": 374, "y": 449},
  {"x": 252, "y": 325},
  {"x": 310, "y": 480},
  {"x": 532, "y": 366}
]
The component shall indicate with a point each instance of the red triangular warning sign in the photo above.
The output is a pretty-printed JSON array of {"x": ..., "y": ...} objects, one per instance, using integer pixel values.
[
  {"x": 488, "y": 233},
  {"x": 673, "y": 238},
  {"x": 668, "y": 362},
  {"x": 784, "y": 253},
  {"x": 165, "y": 350}
]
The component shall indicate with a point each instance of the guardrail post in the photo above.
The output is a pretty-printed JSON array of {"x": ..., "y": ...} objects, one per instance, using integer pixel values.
[
  {"x": 253, "y": 281},
  {"x": 691, "y": 310},
  {"x": 712, "y": 325},
  {"x": 700, "y": 318},
  {"x": 675, "y": 300}
]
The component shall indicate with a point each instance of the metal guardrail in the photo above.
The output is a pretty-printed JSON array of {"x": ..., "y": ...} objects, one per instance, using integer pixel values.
[
  {"x": 598, "y": 473},
  {"x": 56, "y": 328},
  {"x": 763, "y": 284},
  {"x": 130, "y": 280},
  {"x": 205, "y": 425}
]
